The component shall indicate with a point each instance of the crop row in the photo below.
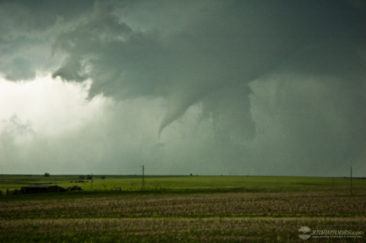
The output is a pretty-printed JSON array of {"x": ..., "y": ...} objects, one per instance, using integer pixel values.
[{"x": 189, "y": 205}]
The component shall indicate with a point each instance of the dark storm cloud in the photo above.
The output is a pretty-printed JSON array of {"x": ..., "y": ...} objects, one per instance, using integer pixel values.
[
  {"x": 221, "y": 55},
  {"x": 217, "y": 46},
  {"x": 28, "y": 29}
]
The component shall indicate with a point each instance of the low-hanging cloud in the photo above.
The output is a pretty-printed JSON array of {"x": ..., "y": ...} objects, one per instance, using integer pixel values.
[
  {"x": 272, "y": 81},
  {"x": 216, "y": 46}
]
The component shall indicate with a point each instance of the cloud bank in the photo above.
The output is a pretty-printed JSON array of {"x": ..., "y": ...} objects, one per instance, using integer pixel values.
[{"x": 235, "y": 86}]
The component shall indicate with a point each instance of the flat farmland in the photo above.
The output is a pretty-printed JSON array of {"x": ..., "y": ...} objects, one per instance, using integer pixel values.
[{"x": 242, "y": 209}]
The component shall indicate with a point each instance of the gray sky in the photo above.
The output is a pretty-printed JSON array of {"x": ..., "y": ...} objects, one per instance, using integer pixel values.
[{"x": 202, "y": 87}]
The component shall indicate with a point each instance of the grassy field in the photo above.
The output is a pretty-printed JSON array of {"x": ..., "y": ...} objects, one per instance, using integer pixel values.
[
  {"x": 186, "y": 208},
  {"x": 187, "y": 183}
]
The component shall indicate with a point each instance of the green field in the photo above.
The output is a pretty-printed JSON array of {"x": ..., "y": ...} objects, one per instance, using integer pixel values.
[
  {"x": 181, "y": 208},
  {"x": 187, "y": 183}
]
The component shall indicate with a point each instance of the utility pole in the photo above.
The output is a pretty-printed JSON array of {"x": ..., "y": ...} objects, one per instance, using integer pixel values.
[
  {"x": 91, "y": 182},
  {"x": 351, "y": 180},
  {"x": 143, "y": 177}
]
